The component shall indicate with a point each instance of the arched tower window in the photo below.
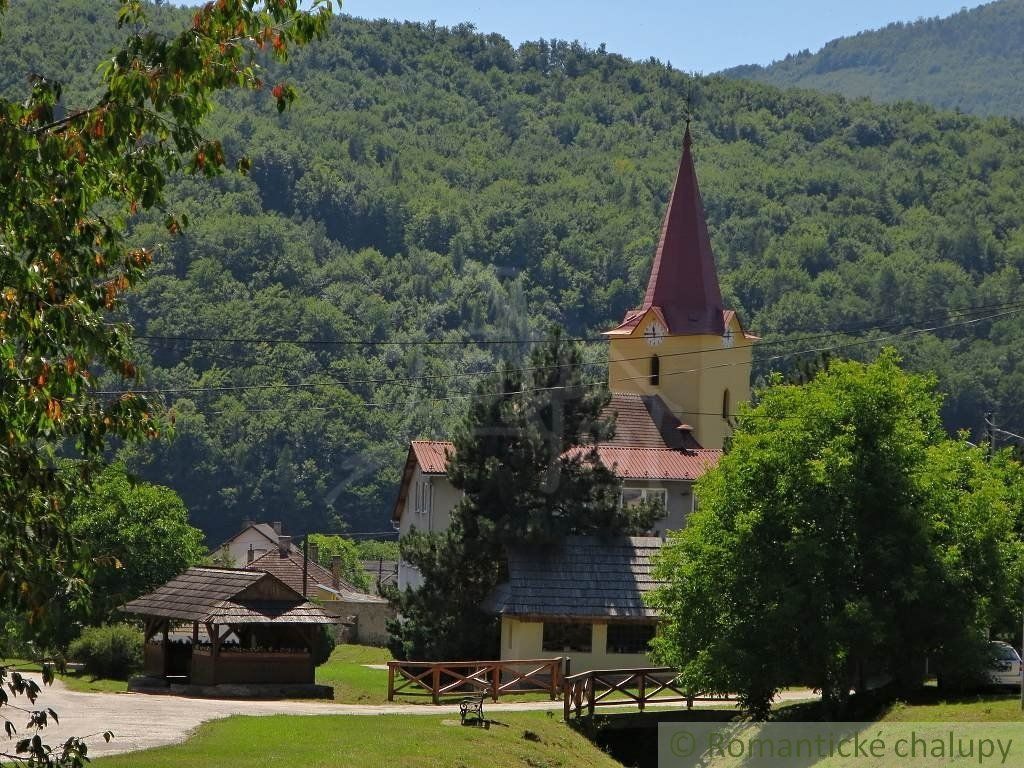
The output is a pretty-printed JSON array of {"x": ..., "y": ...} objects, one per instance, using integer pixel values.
[
  {"x": 655, "y": 370},
  {"x": 725, "y": 404}
]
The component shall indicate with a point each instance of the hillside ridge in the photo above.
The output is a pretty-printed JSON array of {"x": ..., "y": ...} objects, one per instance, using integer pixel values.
[
  {"x": 435, "y": 189},
  {"x": 970, "y": 61}
]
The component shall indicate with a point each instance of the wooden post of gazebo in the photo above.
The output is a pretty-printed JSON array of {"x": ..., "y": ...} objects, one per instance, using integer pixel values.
[
  {"x": 214, "y": 631},
  {"x": 166, "y": 648}
]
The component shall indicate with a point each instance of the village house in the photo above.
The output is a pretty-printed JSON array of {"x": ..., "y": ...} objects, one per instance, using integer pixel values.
[
  {"x": 678, "y": 367},
  {"x": 252, "y": 541},
  {"x": 362, "y": 616}
]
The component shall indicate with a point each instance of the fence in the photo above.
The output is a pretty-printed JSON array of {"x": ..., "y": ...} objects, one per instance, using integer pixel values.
[
  {"x": 493, "y": 678},
  {"x": 584, "y": 692}
]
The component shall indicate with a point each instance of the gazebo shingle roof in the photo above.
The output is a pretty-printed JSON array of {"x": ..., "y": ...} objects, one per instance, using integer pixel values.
[
  {"x": 228, "y": 596},
  {"x": 585, "y": 577}
]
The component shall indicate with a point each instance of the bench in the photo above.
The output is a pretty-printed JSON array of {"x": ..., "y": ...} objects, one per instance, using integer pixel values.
[{"x": 472, "y": 705}]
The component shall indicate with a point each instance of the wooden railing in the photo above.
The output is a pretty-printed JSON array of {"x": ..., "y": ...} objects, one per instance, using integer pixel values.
[
  {"x": 584, "y": 692},
  {"x": 459, "y": 678}
]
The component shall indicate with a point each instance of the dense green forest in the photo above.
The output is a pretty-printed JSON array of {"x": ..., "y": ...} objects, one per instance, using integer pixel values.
[
  {"x": 969, "y": 61},
  {"x": 435, "y": 190}
]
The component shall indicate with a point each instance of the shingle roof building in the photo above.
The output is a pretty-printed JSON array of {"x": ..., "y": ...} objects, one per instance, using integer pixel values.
[
  {"x": 228, "y": 596},
  {"x": 586, "y": 576}
]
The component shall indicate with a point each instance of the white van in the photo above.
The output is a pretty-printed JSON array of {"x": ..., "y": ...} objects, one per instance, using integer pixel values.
[{"x": 1006, "y": 666}]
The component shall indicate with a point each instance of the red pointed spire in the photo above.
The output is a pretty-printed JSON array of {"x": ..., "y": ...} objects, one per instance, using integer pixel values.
[{"x": 684, "y": 283}]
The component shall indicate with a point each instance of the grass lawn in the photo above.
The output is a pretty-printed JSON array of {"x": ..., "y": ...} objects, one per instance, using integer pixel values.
[
  {"x": 355, "y": 684},
  {"x": 84, "y": 682},
  {"x": 415, "y": 741},
  {"x": 75, "y": 681},
  {"x": 942, "y": 723},
  {"x": 933, "y": 707}
]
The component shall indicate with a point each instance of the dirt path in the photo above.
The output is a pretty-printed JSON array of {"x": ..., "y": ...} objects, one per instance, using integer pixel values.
[{"x": 141, "y": 721}]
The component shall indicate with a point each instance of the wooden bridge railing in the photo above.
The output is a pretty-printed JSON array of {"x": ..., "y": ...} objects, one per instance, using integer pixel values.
[
  {"x": 493, "y": 678},
  {"x": 584, "y": 692}
]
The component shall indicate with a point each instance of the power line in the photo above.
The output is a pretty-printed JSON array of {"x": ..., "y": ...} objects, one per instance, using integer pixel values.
[
  {"x": 865, "y": 325},
  {"x": 832, "y": 348},
  {"x": 348, "y": 342},
  {"x": 492, "y": 371},
  {"x": 817, "y": 350}
]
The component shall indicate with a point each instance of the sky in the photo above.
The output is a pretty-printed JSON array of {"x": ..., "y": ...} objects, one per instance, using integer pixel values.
[{"x": 694, "y": 36}]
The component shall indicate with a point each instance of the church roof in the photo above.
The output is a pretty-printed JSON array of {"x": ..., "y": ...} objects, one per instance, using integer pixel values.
[
  {"x": 645, "y": 421},
  {"x": 683, "y": 287}
]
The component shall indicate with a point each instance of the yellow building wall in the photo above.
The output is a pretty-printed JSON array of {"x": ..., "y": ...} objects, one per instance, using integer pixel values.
[
  {"x": 524, "y": 640},
  {"x": 695, "y": 373}
]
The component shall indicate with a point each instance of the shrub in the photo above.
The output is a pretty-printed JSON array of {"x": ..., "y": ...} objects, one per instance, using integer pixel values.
[
  {"x": 113, "y": 651},
  {"x": 324, "y": 646}
]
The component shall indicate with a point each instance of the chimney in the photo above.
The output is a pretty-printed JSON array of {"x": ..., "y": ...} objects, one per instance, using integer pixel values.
[
  {"x": 314, "y": 552},
  {"x": 336, "y": 571},
  {"x": 277, "y": 527},
  {"x": 284, "y": 543},
  {"x": 246, "y": 522},
  {"x": 250, "y": 555}
]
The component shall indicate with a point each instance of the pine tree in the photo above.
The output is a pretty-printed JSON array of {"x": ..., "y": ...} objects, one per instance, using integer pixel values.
[{"x": 525, "y": 458}]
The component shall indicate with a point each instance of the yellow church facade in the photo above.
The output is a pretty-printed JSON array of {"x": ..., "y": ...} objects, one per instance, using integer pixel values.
[
  {"x": 682, "y": 344},
  {"x": 701, "y": 378}
]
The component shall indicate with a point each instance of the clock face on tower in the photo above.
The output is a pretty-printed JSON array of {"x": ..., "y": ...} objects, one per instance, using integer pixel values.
[{"x": 655, "y": 333}]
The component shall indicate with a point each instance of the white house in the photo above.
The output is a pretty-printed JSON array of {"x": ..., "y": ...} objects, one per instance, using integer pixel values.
[
  {"x": 252, "y": 542},
  {"x": 653, "y": 453}
]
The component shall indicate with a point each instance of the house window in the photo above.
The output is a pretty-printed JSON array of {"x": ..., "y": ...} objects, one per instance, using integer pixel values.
[
  {"x": 629, "y": 638},
  {"x": 631, "y": 497},
  {"x": 423, "y": 497},
  {"x": 725, "y": 404},
  {"x": 655, "y": 370},
  {"x": 568, "y": 636}
]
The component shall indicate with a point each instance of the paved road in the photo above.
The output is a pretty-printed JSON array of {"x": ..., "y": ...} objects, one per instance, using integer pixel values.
[{"x": 141, "y": 721}]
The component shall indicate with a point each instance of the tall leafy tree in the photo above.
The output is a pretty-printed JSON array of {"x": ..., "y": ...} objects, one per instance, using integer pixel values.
[
  {"x": 526, "y": 463},
  {"x": 137, "y": 535},
  {"x": 842, "y": 537},
  {"x": 73, "y": 177},
  {"x": 350, "y": 565}
]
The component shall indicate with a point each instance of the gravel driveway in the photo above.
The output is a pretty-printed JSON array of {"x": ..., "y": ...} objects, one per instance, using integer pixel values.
[{"x": 141, "y": 721}]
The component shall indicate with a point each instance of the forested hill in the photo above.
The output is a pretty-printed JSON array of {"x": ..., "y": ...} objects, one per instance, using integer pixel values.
[
  {"x": 433, "y": 187},
  {"x": 970, "y": 61}
]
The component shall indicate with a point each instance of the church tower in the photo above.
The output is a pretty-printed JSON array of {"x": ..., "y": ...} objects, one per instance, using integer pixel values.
[{"x": 681, "y": 344}]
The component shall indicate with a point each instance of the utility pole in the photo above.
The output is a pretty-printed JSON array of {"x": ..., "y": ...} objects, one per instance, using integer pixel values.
[
  {"x": 305, "y": 565},
  {"x": 990, "y": 431}
]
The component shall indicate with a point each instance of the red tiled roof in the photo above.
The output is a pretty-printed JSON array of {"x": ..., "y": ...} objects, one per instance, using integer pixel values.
[
  {"x": 289, "y": 570},
  {"x": 647, "y": 444},
  {"x": 645, "y": 421},
  {"x": 658, "y": 463},
  {"x": 432, "y": 455}
]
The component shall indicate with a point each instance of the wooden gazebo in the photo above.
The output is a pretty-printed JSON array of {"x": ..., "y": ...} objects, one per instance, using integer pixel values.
[{"x": 227, "y": 626}]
